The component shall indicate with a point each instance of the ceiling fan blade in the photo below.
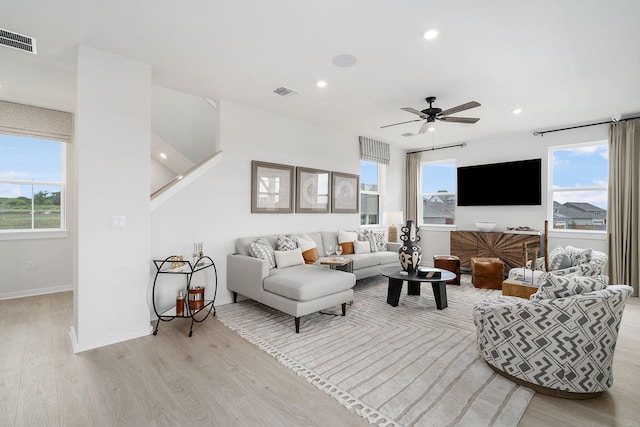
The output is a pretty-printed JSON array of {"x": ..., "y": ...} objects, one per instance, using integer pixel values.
[
  {"x": 459, "y": 119},
  {"x": 414, "y": 111},
  {"x": 424, "y": 127},
  {"x": 401, "y": 123},
  {"x": 462, "y": 107}
]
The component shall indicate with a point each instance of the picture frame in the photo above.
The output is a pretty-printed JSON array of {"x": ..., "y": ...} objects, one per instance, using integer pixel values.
[
  {"x": 345, "y": 193},
  {"x": 313, "y": 193},
  {"x": 272, "y": 187}
]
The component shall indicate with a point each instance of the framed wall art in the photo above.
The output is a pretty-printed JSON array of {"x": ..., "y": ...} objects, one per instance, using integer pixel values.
[
  {"x": 345, "y": 193},
  {"x": 313, "y": 191},
  {"x": 271, "y": 187}
]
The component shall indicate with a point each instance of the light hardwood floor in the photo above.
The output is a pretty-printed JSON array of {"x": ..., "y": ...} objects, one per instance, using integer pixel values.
[{"x": 214, "y": 378}]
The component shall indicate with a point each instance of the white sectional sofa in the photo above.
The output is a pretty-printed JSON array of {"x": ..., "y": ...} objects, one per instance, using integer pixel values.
[{"x": 306, "y": 288}]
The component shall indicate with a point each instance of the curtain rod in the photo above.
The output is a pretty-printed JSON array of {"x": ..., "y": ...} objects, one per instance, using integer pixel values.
[
  {"x": 542, "y": 132},
  {"x": 464, "y": 144}
]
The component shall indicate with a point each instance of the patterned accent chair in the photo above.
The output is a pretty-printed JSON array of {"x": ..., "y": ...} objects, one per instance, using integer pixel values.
[
  {"x": 561, "y": 342},
  {"x": 562, "y": 262}
]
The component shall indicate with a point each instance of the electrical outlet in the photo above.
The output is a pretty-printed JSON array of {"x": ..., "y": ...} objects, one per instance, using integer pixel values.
[{"x": 30, "y": 265}]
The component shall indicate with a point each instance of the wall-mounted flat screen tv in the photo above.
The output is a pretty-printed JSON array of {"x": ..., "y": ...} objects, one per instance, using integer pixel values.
[{"x": 501, "y": 184}]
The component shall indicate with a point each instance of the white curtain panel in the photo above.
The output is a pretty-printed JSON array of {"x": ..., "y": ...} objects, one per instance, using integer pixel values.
[
  {"x": 413, "y": 165},
  {"x": 624, "y": 203}
]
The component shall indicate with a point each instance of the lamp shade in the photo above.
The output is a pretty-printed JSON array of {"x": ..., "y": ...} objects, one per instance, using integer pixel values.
[{"x": 390, "y": 218}]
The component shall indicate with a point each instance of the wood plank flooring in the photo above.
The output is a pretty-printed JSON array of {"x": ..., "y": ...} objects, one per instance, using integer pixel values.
[{"x": 214, "y": 378}]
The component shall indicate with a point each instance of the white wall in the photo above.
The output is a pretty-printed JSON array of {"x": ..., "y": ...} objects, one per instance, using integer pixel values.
[
  {"x": 217, "y": 208},
  {"x": 112, "y": 130},
  {"x": 435, "y": 240}
]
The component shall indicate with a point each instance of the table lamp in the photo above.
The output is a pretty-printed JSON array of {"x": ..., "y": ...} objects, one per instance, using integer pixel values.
[{"x": 391, "y": 219}]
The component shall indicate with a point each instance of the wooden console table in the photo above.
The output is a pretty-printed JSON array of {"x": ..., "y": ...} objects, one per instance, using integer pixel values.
[{"x": 506, "y": 246}]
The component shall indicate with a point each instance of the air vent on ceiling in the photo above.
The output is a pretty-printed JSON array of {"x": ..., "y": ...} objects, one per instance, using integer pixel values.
[
  {"x": 285, "y": 91},
  {"x": 408, "y": 134},
  {"x": 17, "y": 41}
]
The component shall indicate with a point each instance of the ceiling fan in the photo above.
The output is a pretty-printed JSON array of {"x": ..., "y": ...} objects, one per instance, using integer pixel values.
[{"x": 432, "y": 114}]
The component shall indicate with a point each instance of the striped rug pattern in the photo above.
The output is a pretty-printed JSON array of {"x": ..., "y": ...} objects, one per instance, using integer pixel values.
[{"x": 410, "y": 365}]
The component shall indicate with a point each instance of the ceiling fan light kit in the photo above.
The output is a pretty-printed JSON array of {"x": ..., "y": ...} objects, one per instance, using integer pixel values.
[{"x": 432, "y": 114}]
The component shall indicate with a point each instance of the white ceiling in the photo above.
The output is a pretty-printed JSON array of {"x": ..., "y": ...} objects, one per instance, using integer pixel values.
[{"x": 563, "y": 62}]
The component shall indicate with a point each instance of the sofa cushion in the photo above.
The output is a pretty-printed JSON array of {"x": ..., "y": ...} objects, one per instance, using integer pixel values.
[
  {"x": 365, "y": 260},
  {"x": 288, "y": 258},
  {"x": 307, "y": 282},
  {"x": 360, "y": 247},
  {"x": 387, "y": 257},
  {"x": 555, "y": 286},
  {"x": 263, "y": 250}
]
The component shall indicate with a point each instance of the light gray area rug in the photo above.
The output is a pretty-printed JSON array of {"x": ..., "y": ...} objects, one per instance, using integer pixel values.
[{"x": 411, "y": 365}]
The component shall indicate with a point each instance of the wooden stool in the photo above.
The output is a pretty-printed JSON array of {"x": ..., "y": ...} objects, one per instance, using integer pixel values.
[
  {"x": 487, "y": 273},
  {"x": 450, "y": 263}
]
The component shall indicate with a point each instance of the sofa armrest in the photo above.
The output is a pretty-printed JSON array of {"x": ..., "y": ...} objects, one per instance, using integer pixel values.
[
  {"x": 393, "y": 246},
  {"x": 245, "y": 275}
]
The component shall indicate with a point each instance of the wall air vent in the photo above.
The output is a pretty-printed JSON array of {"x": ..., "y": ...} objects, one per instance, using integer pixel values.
[
  {"x": 284, "y": 91},
  {"x": 17, "y": 41}
]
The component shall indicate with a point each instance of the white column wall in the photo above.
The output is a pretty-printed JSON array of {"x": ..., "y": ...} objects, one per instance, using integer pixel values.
[{"x": 112, "y": 130}]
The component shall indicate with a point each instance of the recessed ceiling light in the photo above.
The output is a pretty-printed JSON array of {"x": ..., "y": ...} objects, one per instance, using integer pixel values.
[
  {"x": 321, "y": 83},
  {"x": 345, "y": 60},
  {"x": 164, "y": 156},
  {"x": 430, "y": 34},
  {"x": 516, "y": 110}
]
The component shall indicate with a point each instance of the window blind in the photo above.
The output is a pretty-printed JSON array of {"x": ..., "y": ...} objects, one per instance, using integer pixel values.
[
  {"x": 374, "y": 151},
  {"x": 27, "y": 120}
]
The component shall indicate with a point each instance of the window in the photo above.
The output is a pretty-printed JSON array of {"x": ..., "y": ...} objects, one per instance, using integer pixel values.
[
  {"x": 31, "y": 183},
  {"x": 438, "y": 192},
  {"x": 369, "y": 193},
  {"x": 578, "y": 194}
]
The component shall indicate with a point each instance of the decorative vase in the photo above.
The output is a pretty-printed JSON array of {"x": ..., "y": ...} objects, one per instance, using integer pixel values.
[{"x": 410, "y": 252}]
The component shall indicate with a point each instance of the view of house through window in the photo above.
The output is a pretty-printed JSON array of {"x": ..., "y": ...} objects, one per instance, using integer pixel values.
[
  {"x": 579, "y": 186},
  {"x": 31, "y": 183},
  {"x": 369, "y": 193},
  {"x": 438, "y": 201}
]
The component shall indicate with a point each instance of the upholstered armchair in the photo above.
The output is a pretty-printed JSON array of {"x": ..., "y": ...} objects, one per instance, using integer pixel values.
[
  {"x": 561, "y": 342},
  {"x": 562, "y": 262}
]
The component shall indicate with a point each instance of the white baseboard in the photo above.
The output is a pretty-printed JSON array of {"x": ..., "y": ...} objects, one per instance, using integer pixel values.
[
  {"x": 34, "y": 292},
  {"x": 101, "y": 342}
]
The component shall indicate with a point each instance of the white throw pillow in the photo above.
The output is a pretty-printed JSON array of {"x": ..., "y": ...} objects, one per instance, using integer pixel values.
[
  {"x": 361, "y": 247},
  {"x": 347, "y": 236},
  {"x": 289, "y": 258},
  {"x": 305, "y": 244}
]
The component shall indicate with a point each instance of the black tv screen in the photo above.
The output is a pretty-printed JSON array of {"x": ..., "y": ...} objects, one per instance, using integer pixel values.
[{"x": 501, "y": 184}]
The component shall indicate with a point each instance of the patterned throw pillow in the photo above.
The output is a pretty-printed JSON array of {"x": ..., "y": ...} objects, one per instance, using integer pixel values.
[
  {"x": 285, "y": 243},
  {"x": 367, "y": 236},
  {"x": 564, "y": 286},
  {"x": 559, "y": 259},
  {"x": 263, "y": 250},
  {"x": 579, "y": 256},
  {"x": 381, "y": 241}
]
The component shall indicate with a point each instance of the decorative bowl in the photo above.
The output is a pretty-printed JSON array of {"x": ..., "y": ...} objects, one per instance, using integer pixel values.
[{"x": 485, "y": 225}]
